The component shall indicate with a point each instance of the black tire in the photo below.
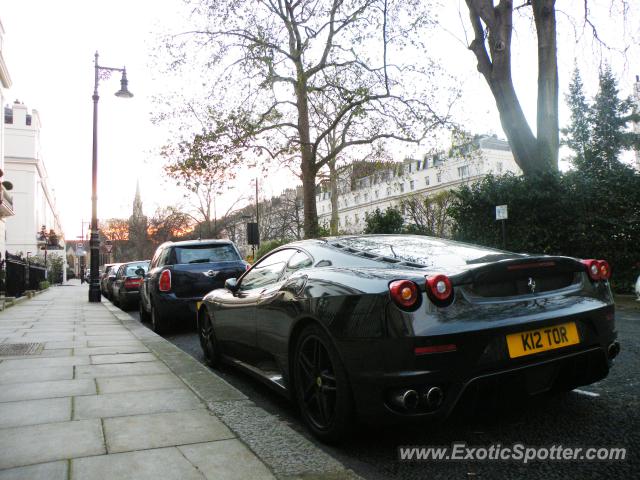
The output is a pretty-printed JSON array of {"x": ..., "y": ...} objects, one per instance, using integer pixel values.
[
  {"x": 322, "y": 389},
  {"x": 159, "y": 322},
  {"x": 208, "y": 340},
  {"x": 144, "y": 315}
]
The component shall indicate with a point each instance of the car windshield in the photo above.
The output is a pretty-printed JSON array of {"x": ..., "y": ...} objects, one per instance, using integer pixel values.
[
  {"x": 130, "y": 270},
  {"x": 206, "y": 253},
  {"x": 427, "y": 251}
]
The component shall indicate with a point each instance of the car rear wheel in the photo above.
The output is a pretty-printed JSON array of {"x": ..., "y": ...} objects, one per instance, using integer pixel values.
[
  {"x": 208, "y": 340},
  {"x": 158, "y": 321},
  {"x": 322, "y": 388},
  {"x": 144, "y": 316}
]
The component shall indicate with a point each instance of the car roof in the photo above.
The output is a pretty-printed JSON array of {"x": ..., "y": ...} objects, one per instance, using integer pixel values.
[{"x": 195, "y": 243}]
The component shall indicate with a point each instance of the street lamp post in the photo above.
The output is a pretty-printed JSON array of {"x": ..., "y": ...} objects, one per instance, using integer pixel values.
[{"x": 94, "y": 242}]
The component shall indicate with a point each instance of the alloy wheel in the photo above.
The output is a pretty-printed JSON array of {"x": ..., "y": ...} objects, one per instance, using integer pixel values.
[{"x": 317, "y": 382}]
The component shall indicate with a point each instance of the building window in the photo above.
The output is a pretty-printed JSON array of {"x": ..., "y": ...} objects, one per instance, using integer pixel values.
[
  {"x": 463, "y": 171},
  {"x": 499, "y": 167},
  {"x": 388, "y": 191},
  {"x": 418, "y": 163},
  {"x": 402, "y": 187},
  {"x": 439, "y": 177},
  {"x": 346, "y": 202},
  {"x": 377, "y": 194},
  {"x": 366, "y": 197},
  {"x": 412, "y": 185},
  {"x": 8, "y": 115},
  {"x": 356, "y": 218},
  {"x": 426, "y": 180}
]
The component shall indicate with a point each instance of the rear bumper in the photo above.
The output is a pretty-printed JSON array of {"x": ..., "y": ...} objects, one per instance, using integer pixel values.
[
  {"x": 373, "y": 398},
  {"x": 176, "y": 309}
]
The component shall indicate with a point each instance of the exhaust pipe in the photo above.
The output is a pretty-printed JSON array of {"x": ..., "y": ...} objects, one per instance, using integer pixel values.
[
  {"x": 434, "y": 397},
  {"x": 613, "y": 350},
  {"x": 406, "y": 399}
]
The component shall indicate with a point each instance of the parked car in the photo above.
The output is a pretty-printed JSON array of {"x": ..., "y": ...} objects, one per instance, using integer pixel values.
[
  {"x": 107, "y": 277},
  {"x": 180, "y": 274},
  {"x": 126, "y": 285},
  {"x": 407, "y": 327}
]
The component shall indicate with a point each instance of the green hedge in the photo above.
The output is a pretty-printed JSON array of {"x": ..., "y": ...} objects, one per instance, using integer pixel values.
[
  {"x": 43, "y": 285},
  {"x": 573, "y": 214},
  {"x": 267, "y": 246}
]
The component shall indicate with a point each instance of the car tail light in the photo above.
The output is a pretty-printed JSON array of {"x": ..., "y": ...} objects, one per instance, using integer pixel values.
[
  {"x": 133, "y": 282},
  {"x": 593, "y": 269},
  {"x": 450, "y": 347},
  {"x": 605, "y": 270},
  {"x": 597, "y": 269},
  {"x": 439, "y": 288},
  {"x": 164, "y": 284},
  {"x": 404, "y": 293}
]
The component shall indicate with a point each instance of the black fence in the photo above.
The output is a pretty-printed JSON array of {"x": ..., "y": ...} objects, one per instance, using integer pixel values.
[{"x": 17, "y": 276}]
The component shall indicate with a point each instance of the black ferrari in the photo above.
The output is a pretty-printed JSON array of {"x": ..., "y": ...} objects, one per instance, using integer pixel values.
[{"x": 406, "y": 327}]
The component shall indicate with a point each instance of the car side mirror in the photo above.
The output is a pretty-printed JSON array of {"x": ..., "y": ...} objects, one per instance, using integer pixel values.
[
  {"x": 140, "y": 272},
  {"x": 231, "y": 284}
]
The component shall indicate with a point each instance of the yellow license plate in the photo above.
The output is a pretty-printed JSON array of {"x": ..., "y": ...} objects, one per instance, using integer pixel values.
[
  {"x": 198, "y": 305},
  {"x": 542, "y": 339}
]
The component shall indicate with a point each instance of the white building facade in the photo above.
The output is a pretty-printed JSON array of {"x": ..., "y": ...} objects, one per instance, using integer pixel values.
[
  {"x": 636, "y": 125},
  {"x": 388, "y": 188},
  {"x": 6, "y": 198},
  {"x": 35, "y": 204}
]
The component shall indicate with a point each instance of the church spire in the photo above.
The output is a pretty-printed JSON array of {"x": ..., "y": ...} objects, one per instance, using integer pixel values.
[{"x": 137, "y": 202}]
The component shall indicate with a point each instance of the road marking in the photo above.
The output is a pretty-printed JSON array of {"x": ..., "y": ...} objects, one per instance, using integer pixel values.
[{"x": 584, "y": 392}]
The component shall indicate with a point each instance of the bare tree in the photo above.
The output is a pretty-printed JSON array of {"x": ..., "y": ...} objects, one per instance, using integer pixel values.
[
  {"x": 275, "y": 63},
  {"x": 428, "y": 214}
]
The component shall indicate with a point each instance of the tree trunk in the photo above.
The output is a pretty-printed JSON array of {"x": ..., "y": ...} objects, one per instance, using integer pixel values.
[
  {"x": 548, "y": 128},
  {"x": 333, "y": 186},
  {"x": 532, "y": 155}
]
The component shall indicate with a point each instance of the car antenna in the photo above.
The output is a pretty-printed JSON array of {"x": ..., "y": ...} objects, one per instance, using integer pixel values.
[{"x": 394, "y": 253}]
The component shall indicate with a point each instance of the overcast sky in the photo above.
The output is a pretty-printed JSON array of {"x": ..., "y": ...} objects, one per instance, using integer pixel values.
[{"x": 49, "y": 48}]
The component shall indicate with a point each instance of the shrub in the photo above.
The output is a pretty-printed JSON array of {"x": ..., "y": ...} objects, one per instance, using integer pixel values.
[
  {"x": 574, "y": 214},
  {"x": 267, "y": 246},
  {"x": 43, "y": 285}
]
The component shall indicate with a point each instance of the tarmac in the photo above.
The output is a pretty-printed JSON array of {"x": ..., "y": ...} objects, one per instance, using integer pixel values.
[{"x": 88, "y": 393}]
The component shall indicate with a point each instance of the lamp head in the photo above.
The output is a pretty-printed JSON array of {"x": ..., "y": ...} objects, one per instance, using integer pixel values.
[{"x": 124, "y": 90}]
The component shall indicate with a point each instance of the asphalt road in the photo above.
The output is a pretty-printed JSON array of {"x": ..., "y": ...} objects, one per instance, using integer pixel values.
[{"x": 605, "y": 414}]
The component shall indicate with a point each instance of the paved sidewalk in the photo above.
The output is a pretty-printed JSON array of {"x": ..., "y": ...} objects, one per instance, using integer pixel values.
[{"x": 101, "y": 396}]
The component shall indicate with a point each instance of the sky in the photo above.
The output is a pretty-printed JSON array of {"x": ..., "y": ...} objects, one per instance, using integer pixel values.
[{"x": 49, "y": 50}]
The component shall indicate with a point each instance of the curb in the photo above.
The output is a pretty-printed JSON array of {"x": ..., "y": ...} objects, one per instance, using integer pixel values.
[{"x": 287, "y": 453}]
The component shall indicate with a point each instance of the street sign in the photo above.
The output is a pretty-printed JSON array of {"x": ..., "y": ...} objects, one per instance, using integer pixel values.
[
  {"x": 501, "y": 212},
  {"x": 80, "y": 245},
  {"x": 108, "y": 247}
]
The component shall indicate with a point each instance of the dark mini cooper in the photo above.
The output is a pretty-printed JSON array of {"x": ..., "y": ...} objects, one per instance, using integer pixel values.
[
  {"x": 404, "y": 327},
  {"x": 180, "y": 274}
]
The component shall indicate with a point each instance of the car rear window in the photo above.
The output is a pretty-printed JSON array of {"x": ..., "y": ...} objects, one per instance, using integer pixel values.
[
  {"x": 206, "y": 253},
  {"x": 423, "y": 250},
  {"x": 131, "y": 269}
]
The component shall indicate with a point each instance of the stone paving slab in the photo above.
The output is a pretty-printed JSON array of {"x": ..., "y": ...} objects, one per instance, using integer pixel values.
[
  {"x": 52, "y": 441},
  {"x": 123, "y": 358},
  {"x": 226, "y": 460},
  {"x": 111, "y": 350},
  {"x": 34, "y": 412},
  {"x": 163, "y": 430},
  {"x": 138, "y": 383},
  {"x": 43, "y": 471},
  {"x": 113, "y": 343},
  {"x": 64, "y": 344},
  {"x": 62, "y": 388},
  {"x": 43, "y": 362},
  {"x": 163, "y": 463},
  {"x": 26, "y": 375},
  {"x": 119, "y": 369},
  {"x": 135, "y": 403}
]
